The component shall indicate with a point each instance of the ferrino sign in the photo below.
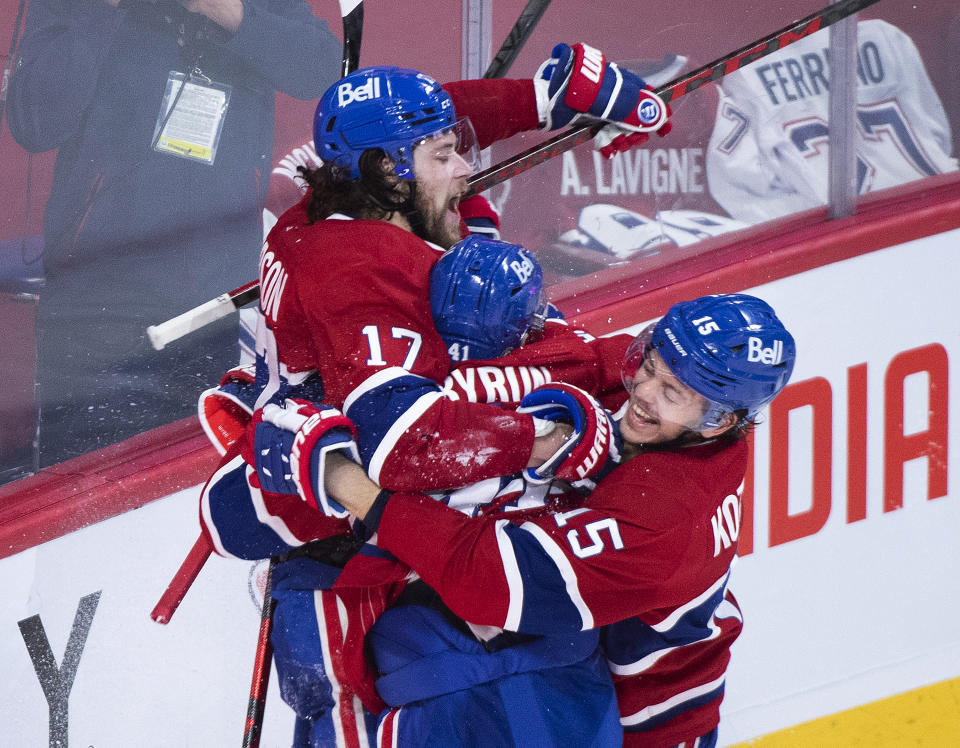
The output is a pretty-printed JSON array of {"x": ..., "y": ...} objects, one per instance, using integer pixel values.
[{"x": 929, "y": 363}]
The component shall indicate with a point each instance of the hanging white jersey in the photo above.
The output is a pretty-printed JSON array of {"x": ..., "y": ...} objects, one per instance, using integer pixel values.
[{"x": 768, "y": 154}]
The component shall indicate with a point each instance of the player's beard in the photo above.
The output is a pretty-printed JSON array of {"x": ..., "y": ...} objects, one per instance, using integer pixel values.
[{"x": 437, "y": 227}]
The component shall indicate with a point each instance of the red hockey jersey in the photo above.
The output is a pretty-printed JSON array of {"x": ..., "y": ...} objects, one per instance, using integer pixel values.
[
  {"x": 350, "y": 299},
  {"x": 648, "y": 556}
]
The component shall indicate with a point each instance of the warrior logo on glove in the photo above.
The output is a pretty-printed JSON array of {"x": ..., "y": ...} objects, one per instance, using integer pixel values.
[
  {"x": 582, "y": 83},
  {"x": 600, "y": 447},
  {"x": 649, "y": 109},
  {"x": 594, "y": 444}
]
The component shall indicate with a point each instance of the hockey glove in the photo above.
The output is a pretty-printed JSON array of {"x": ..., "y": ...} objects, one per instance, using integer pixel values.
[
  {"x": 478, "y": 216},
  {"x": 613, "y": 139},
  {"x": 291, "y": 444},
  {"x": 226, "y": 410},
  {"x": 594, "y": 441},
  {"x": 578, "y": 85}
]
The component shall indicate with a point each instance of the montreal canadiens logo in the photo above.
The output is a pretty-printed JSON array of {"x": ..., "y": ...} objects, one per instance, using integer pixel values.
[{"x": 648, "y": 111}]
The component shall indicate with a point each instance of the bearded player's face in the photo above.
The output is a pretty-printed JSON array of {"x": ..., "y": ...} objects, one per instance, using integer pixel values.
[{"x": 441, "y": 175}]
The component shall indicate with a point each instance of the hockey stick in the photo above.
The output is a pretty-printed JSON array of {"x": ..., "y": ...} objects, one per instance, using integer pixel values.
[
  {"x": 164, "y": 609},
  {"x": 553, "y": 147},
  {"x": 352, "y": 12},
  {"x": 203, "y": 315},
  {"x": 678, "y": 87},
  {"x": 529, "y": 18},
  {"x": 261, "y": 668}
]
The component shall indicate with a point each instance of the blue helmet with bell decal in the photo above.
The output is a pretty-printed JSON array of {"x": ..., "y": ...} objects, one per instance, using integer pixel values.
[
  {"x": 384, "y": 107},
  {"x": 731, "y": 349},
  {"x": 485, "y": 295}
]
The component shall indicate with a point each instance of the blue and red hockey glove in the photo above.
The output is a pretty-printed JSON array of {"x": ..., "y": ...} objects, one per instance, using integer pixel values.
[
  {"x": 594, "y": 444},
  {"x": 225, "y": 410},
  {"x": 578, "y": 85},
  {"x": 478, "y": 216},
  {"x": 291, "y": 444}
]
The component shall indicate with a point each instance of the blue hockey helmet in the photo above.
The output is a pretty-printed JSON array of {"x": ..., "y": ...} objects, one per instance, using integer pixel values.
[
  {"x": 485, "y": 295},
  {"x": 390, "y": 108},
  {"x": 730, "y": 348}
]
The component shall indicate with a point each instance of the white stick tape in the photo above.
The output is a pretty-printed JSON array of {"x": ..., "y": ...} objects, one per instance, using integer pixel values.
[{"x": 173, "y": 329}]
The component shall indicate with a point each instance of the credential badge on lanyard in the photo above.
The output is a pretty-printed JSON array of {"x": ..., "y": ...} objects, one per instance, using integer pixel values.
[{"x": 191, "y": 116}]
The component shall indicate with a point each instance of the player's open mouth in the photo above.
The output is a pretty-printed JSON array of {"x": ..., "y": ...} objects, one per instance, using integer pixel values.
[{"x": 639, "y": 414}]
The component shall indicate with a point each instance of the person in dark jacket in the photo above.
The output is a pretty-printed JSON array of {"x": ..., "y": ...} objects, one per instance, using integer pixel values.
[{"x": 162, "y": 112}]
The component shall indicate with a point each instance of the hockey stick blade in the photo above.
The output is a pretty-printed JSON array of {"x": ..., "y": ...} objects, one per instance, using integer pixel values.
[
  {"x": 352, "y": 12},
  {"x": 681, "y": 86},
  {"x": 529, "y": 18}
]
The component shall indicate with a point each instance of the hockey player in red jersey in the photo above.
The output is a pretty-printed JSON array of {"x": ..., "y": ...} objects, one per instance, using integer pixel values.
[
  {"x": 487, "y": 301},
  {"x": 648, "y": 555},
  {"x": 344, "y": 274}
]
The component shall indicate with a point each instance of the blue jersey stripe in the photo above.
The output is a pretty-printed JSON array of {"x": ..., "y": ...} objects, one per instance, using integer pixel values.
[
  {"x": 547, "y": 607},
  {"x": 659, "y": 714},
  {"x": 632, "y": 646},
  {"x": 383, "y": 407},
  {"x": 241, "y": 532}
]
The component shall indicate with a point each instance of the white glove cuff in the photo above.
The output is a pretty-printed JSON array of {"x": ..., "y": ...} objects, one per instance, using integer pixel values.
[
  {"x": 543, "y": 101},
  {"x": 542, "y": 427},
  {"x": 541, "y": 88}
]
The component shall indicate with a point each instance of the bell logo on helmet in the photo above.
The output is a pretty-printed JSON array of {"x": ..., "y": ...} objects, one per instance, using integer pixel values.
[
  {"x": 523, "y": 268},
  {"x": 756, "y": 352},
  {"x": 347, "y": 93}
]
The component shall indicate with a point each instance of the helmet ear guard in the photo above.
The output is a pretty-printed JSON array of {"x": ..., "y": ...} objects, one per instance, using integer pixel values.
[
  {"x": 486, "y": 296},
  {"x": 731, "y": 349}
]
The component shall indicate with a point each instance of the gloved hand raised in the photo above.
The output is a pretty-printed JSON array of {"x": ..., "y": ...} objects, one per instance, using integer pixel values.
[
  {"x": 578, "y": 85},
  {"x": 291, "y": 444}
]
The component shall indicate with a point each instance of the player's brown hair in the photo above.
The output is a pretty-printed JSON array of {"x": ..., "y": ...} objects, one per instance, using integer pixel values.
[{"x": 375, "y": 195}]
